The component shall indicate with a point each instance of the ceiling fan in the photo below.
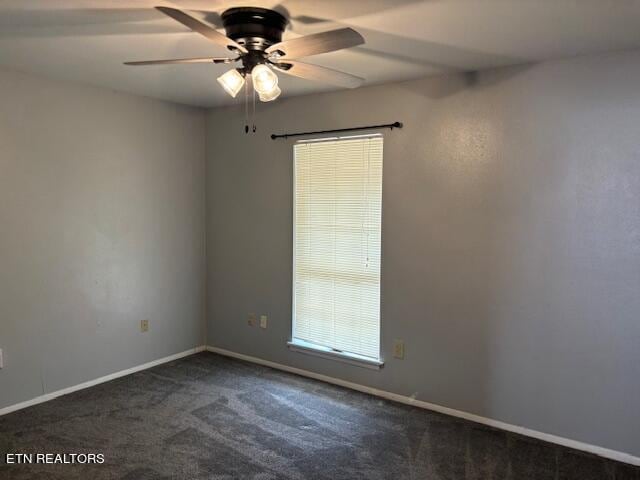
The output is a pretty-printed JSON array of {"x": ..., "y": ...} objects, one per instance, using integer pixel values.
[{"x": 254, "y": 35}]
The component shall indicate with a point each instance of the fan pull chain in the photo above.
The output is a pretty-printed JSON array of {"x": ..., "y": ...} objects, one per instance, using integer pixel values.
[
  {"x": 246, "y": 107},
  {"x": 253, "y": 115}
]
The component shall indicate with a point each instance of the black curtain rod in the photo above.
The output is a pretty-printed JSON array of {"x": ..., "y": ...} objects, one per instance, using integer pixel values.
[{"x": 337, "y": 130}]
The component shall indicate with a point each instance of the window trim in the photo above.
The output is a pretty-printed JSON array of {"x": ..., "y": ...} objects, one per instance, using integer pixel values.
[
  {"x": 304, "y": 347},
  {"x": 297, "y": 345}
]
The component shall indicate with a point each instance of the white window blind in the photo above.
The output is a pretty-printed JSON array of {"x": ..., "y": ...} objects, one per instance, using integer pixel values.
[{"x": 338, "y": 198}]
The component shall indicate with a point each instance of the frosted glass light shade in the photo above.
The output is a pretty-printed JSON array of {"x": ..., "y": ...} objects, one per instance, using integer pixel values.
[
  {"x": 231, "y": 81},
  {"x": 264, "y": 79},
  {"x": 272, "y": 95}
]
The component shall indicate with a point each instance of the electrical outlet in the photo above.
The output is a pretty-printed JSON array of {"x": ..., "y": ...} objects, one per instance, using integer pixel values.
[
  {"x": 144, "y": 325},
  {"x": 251, "y": 320},
  {"x": 263, "y": 321},
  {"x": 398, "y": 349}
]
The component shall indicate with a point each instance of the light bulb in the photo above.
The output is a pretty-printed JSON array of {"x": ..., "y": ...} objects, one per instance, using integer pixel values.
[
  {"x": 272, "y": 95},
  {"x": 231, "y": 81},
  {"x": 264, "y": 80}
]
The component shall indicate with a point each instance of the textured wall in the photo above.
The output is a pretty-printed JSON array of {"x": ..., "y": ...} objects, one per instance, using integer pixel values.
[
  {"x": 101, "y": 226},
  {"x": 511, "y": 240}
]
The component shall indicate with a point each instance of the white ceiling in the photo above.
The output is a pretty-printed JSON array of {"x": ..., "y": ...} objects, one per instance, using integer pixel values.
[{"x": 87, "y": 40}]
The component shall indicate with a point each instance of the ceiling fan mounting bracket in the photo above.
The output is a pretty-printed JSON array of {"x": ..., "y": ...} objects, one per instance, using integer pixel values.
[{"x": 254, "y": 28}]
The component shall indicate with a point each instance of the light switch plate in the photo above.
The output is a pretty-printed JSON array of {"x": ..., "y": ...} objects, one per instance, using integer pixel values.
[
  {"x": 263, "y": 321},
  {"x": 144, "y": 325},
  {"x": 1, "y": 359}
]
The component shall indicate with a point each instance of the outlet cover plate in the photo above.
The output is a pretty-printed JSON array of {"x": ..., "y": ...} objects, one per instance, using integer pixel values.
[{"x": 398, "y": 349}]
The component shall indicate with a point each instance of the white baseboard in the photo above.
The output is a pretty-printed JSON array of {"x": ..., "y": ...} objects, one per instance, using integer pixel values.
[
  {"x": 565, "y": 442},
  {"x": 603, "y": 452},
  {"x": 58, "y": 393}
]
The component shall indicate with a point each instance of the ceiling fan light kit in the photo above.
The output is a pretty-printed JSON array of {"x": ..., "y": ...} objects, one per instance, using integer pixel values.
[
  {"x": 264, "y": 80},
  {"x": 255, "y": 36},
  {"x": 270, "y": 96},
  {"x": 232, "y": 82}
]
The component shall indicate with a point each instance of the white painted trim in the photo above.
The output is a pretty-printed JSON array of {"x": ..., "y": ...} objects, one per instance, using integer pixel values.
[
  {"x": 565, "y": 442},
  {"x": 58, "y": 393},
  {"x": 307, "y": 348}
]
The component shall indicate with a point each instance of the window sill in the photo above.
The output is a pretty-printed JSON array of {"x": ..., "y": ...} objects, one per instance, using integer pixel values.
[{"x": 325, "y": 352}]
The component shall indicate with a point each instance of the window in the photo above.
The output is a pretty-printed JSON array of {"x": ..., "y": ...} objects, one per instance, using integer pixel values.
[{"x": 338, "y": 197}]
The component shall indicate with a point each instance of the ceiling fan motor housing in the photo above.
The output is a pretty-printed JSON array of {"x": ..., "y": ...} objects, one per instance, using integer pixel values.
[{"x": 254, "y": 28}]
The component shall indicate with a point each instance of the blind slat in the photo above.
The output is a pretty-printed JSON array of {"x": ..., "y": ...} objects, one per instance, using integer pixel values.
[{"x": 338, "y": 202}]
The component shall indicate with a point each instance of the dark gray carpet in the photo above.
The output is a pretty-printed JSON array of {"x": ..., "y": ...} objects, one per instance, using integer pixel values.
[{"x": 210, "y": 417}]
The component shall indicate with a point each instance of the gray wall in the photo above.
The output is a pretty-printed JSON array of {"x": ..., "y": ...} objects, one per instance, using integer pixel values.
[
  {"x": 101, "y": 225},
  {"x": 511, "y": 241}
]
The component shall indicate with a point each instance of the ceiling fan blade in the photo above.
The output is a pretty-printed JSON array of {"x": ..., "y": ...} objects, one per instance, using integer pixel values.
[
  {"x": 317, "y": 43},
  {"x": 182, "y": 60},
  {"x": 201, "y": 28},
  {"x": 318, "y": 73}
]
